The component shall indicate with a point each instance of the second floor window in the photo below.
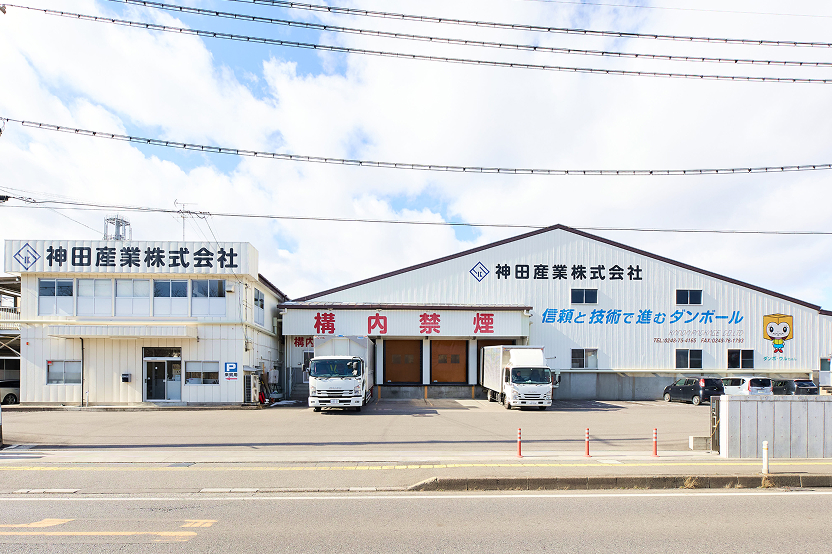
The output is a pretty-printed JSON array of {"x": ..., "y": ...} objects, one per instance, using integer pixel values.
[
  {"x": 259, "y": 307},
  {"x": 55, "y": 296},
  {"x": 170, "y": 298},
  {"x": 132, "y": 297},
  {"x": 208, "y": 297},
  {"x": 688, "y": 359},
  {"x": 95, "y": 297},
  {"x": 585, "y": 358}
]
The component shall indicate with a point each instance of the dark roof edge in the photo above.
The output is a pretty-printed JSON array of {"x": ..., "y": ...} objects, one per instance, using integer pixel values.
[
  {"x": 273, "y": 288},
  {"x": 825, "y": 312},
  {"x": 579, "y": 233},
  {"x": 381, "y": 306}
]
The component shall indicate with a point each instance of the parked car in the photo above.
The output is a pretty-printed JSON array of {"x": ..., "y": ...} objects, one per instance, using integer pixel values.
[
  {"x": 9, "y": 392},
  {"x": 693, "y": 389},
  {"x": 794, "y": 386},
  {"x": 747, "y": 385}
]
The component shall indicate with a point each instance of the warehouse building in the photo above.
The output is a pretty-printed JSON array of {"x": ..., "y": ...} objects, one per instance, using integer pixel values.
[
  {"x": 617, "y": 322},
  {"x": 124, "y": 322}
]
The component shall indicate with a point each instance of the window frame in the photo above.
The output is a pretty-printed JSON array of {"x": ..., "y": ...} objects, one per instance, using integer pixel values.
[
  {"x": 745, "y": 361},
  {"x": 688, "y": 364},
  {"x": 51, "y": 364},
  {"x": 259, "y": 307},
  {"x": 213, "y": 303},
  {"x": 687, "y": 300},
  {"x": 585, "y": 358},
  {"x": 55, "y": 289},
  {"x": 170, "y": 298},
  {"x": 202, "y": 373},
  {"x": 583, "y": 293},
  {"x": 106, "y": 300}
]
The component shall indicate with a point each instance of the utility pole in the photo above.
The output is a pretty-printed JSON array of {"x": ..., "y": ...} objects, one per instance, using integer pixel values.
[{"x": 183, "y": 212}]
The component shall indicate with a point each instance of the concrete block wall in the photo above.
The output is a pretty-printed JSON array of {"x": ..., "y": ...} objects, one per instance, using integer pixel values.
[{"x": 794, "y": 426}]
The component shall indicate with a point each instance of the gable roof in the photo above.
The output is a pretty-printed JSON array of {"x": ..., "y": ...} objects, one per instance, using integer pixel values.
[{"x": 583, "y": 234}]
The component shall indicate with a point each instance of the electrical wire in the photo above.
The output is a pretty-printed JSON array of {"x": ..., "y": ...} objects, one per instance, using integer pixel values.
[
  {"x": 422, "y": 57},
  {"x": 526, "y": 27},
  {"x": 463, "y": 42},
  {"x": 421, "y": 167},
  {"x": 94, "y": 206},
  {"x": 677, "y": 8}
]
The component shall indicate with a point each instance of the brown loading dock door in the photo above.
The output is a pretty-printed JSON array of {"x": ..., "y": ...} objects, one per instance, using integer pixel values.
[
  {"x": 449, "y": 361},
  {"x": 403, "y": 361}
]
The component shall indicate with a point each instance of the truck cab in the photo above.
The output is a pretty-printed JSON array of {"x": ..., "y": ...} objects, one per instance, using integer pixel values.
[{"x": 527, "y": 386}]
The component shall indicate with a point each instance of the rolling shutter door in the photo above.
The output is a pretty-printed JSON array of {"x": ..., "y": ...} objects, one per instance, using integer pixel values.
[
  {"x": 448, "y": 361},
  {"x": 402, "y": 361}
]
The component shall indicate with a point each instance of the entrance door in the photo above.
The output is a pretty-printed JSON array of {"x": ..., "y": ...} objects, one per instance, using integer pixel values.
[
  {"x": 155, "y": 381},
  {"x": 174, "y": 381}
]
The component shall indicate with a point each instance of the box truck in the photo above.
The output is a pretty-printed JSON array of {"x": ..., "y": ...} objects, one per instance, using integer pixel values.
[
  {"x": 341, "y": 372},
  {"x": 518, "y": 376}
]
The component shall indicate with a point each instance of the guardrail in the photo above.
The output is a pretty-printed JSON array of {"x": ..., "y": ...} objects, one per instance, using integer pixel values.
[{"x": 8, "y": 317}]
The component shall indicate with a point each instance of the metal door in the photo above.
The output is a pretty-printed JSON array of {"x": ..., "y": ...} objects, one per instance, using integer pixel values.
[{"x": 155, "y": 381}]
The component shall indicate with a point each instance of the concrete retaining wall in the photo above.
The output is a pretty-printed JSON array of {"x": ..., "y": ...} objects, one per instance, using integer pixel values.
[{"x": 794, "y": 426}]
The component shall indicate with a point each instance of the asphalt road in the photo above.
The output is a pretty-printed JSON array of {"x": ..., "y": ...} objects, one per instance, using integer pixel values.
[
  {"x": 432, "y": 425},
  {"x": 665, "y": 521}
]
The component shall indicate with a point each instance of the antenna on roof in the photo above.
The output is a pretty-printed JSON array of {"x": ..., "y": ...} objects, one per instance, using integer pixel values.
[{"x": 121, "y": 229}]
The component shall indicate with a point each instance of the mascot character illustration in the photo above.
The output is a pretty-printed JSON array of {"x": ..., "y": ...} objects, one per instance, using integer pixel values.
[{"x": 778, "y": 329}]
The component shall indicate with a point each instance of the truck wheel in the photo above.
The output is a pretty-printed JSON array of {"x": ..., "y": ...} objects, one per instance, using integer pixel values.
[
  {"x": 508, "y": 405},
  {"x": 358, "y": 408},
  {"x": 541, "y": 407},
  {"x": 316, "y": 409},
  {"x": 492, "y": 396}
]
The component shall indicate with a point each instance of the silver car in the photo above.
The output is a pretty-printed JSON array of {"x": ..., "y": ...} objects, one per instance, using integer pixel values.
[
  {"x": 747, "y": 385},
  {"x": 10, "y": 392}
]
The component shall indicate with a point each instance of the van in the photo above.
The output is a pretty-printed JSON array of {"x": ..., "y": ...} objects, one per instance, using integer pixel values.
[
  {"x": 794, "y": 386},
  {"x": 747, "y": 385}
]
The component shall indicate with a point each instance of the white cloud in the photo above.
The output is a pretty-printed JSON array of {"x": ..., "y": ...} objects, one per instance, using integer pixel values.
[{"x": 184, "y": 88}]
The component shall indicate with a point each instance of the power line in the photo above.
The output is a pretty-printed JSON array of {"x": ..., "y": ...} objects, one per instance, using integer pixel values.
[
  {"x": 527, "y": 27},
  {"x": 462, "y": 42},
  {"x": 92, "y": 206},
  {"x": 417, "y": 166},
  {"x": 421, "y": 57},
  {"x": 677, "y": 8}
]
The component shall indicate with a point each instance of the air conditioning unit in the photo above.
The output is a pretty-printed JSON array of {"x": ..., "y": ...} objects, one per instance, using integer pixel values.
[{"x": 229, "y": 287}]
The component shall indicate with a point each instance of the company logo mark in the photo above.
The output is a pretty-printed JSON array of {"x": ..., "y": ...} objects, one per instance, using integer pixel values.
[
  {"x": 479, "y": 271},
  {"x": 27, "y": 256}
]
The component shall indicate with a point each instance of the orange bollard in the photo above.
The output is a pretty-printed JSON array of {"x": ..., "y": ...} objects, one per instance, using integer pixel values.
[
  {"x": 586, "y": 439},
  {"x": 655, "y": 443},
  {"x": 519, "y": 442}
]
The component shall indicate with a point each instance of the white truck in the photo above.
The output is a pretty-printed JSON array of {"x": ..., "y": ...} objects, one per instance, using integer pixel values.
[
  {"x": 518, "y": 376},
  {"x": 341, "y": 372}
]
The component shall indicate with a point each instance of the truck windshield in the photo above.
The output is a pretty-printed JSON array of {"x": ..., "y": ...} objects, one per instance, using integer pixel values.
[
  {"x": 531, "y": 376},
  {"x": 335, "y": 368}
]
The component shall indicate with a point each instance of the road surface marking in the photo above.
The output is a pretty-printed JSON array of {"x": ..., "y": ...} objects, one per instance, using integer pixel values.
[
  {"x": 41, "y": 523},
  {"x": 173, "y": 534},
  {"x": 199, "y": 522}
]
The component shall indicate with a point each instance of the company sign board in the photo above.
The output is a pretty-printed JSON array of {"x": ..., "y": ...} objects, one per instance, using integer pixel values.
[{"x": 62, "y": 256}]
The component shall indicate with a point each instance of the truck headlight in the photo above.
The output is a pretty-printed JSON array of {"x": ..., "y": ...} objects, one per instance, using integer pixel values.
[
  {"x": 357, "y": 390},
  {"x": 312, "y": 391}
]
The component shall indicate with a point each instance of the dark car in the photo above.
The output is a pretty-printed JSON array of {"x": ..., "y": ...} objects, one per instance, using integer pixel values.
[
  {"x": 693, "y": 389},
  {"x": 9, "y": 392},
  {"x": 793, "y": 386}
]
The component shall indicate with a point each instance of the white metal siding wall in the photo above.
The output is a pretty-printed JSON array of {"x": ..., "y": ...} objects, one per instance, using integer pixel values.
[{"x": 620, "y": 346}]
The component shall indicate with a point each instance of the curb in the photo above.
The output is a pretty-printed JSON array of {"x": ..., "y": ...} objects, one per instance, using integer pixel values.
[
  {"x": 19, "y": 408},
  {"x": 637, "y": 482}
]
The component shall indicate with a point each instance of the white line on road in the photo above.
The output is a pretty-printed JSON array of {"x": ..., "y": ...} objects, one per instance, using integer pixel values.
[{"x": 417, "y": 496}]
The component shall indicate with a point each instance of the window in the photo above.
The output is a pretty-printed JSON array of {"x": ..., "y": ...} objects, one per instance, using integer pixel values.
[
  {"x": 63, "y": 373},
  {"x": 688, "y": 296},
  {"x": 132, "y": 297},
  {"x": 688, "y": 359},
  {"x": 740, "y": 359},
  {"x": 584, "y": 296},
  {"x": 170, "y": 298},
  {"x": 95, "y": 297},
  {"x": 208, "y": 297},
  {"x": 55, "y": 297},
  {"x": 259, "y": 307},
  {"x": 585, "y": 358},
  {"x": 202, "y": 373}
]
